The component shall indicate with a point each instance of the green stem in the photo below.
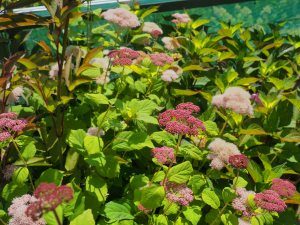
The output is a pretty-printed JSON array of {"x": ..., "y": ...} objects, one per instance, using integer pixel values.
[
  {"x": 220, "y": 213},
  {"x": 61, "y": 59},
  {"x": 223, "y": 127},
  {"x": 57, "y": 218},
  {"x": 2, "y": 222},
  {"x": 236, "y": 180},
  {"x": 25, "y": 163}
]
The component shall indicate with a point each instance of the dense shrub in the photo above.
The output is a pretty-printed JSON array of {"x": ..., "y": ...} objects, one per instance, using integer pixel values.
[{"x": 144, "y": 123}]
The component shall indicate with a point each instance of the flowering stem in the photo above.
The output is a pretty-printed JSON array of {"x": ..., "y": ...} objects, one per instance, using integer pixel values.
[
  {"x": 220, "y": 213},
  {"x": 56, "y": 217},
  {"x": 25, "y": 164},
  {"x": 2, "y": 222},
  {"x": 178, "y": 143},
  {"x": 236, "y": 180},
  {"x": 223, "y": 127}
]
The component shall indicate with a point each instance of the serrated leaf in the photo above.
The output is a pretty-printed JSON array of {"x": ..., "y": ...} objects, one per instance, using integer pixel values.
[
  {"x": 210, "y": 198},
  {"x": 180, "y": 173}
]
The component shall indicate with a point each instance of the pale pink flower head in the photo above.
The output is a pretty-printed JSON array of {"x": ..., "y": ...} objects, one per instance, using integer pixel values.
[
  {"x": 235, "y": 99},
  {"x": 243, "y": 222},
  {"x": 169, "y": 76},
  {"x": 179, "y": 193},
  {"x": 170, "y": 43},
  {"x": 53, "y": 73},
  {"x": 101, "y": 62},
  {"x": 18, "y": 209},
  {"x": 181, "y": 18},
  {"x": 240, "y": 203},
  {"x": 161, "y": 59},
  {"x": 95, "y": 131},
  {"x": 103, "y": 79},
  {"x": 180, "y": 121},
  {"x": 15, "y": 94},
  {"x": 284, "y": 188},
  {"x": 270, "y": 201},
  {"x": 221, "y": 152},
  {"x": 164, "y": 155},
  {"x": 152, "y": 28},
  {"x": 216, "y": 163},
  {"x": 121, "y": 17},
  {"x": 239, "y": 161}
]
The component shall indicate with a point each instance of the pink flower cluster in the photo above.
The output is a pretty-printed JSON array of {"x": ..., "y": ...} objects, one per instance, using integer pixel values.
[
  {"x": 221, "y": 152},
  {"x": 143, "y": 209},
  {"x": 239, "y": 161},
  {"x": 240, "y": 202},
  {"x": 152, "y": 28},
  {"x": 161, "y": 59},
  {"x": 9, "y": 124},
  {"x": 121, "y": 17},
  {"x": 17, "y": 211},
  {"x": 123, "y": 57},
  {"x": 181, "y": 121},
  {"x": 270, "y": 200},
  {"x": 235, "y": 99},
  {"x": 48, "y": 196},
  {"x": 255, "y": 98},
  {"x": 164, "y": 155},
  {"x": 179, "y": 193},
  {"x": 181, "y": 18},
  {"x": 283, "y": 187}
]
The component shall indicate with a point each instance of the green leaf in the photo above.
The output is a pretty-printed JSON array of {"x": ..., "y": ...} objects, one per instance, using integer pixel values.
[
  {"x": 106, "y": 166},
  {"x": 97, "y": 99},
  {"x": 255, "y": 171},
  {"x": 240, "y": 182},
  {"x": 186, "y": 92},
  {"x": 96, "y": 187},
  {"x": 13, "y": 190},
  {"x": 93, "y": 144},
  {"x": 50, "y": 176},
  {"x": 71, "y": 160},
  {"x": 163, "y": 138},
  {"x": 76, "y": 140},
  {"x": 115, "y": 212},
  {"x": 189, "y": 150},
  {"x": 228, "y": 194},
  {"x": 85, "y": 218},
  {"x": 246, "y": 81},
  {"x": 180, "y": 173},
  {"x": 27, "y": 146},
  {"x": 199, "y": 22},
  {"x": 160, "y": 220},
  {"x": 152, "y": 197},
  {"x": 193, "y": 214},
  {"x": 129, "y": 141},
  {"x": 229, "y": 219},
  {"x": 211, "y": 128},
  {"x": 50, "y": 217},
  {"x": 140, "y": 38},
  {"x": 193, "y": 67},
  {"x": 210, "y": 198},
  {"x": 20, "y": 175}
]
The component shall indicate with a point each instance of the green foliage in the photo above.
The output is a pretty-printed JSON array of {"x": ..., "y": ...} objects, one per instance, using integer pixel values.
[{"x": 92, "y": 124}]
